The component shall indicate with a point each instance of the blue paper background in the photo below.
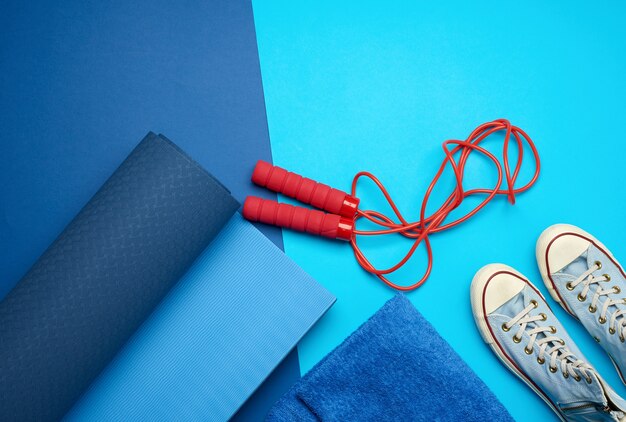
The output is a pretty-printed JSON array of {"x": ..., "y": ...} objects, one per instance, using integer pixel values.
[
  {"x": 373, "y": 85},
  {"x": 82, "y": 82},
  {"x": 349, "y": 86}
]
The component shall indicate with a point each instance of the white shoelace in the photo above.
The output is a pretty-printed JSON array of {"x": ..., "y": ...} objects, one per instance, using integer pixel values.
[
  {"x": 617, "y": 323},
  {"x": 549, "y": 345}
]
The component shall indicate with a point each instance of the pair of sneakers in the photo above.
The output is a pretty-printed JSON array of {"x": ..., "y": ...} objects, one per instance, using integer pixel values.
[{"x": 515, "y": 320}]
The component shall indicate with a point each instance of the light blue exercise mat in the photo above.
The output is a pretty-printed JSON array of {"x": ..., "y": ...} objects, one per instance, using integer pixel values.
[{"x": 241, "y": 307}]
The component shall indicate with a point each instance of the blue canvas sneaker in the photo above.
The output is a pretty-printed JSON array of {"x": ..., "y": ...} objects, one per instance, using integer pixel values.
[
  {"x": 517, "y": 323},
  {"x": 584, "y": 277}
]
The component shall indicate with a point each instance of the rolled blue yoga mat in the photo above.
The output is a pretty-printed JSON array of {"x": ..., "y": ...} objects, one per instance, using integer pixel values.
[
  {"x": 241, "y": 307},
  {"x": 96, "y": 284}
]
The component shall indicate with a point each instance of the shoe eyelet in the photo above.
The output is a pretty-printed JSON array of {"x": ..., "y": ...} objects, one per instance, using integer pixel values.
[
  {"x": 569, "y": 286},
  {"x": 622, "y": 339},
  {"x": 617, "y": 290},
  {"x": 541, "y": 361},
  {"x": 593, "y": 309},
  {"x": 612, "y": 331},
  {"x": 553, "y": 369},
  {"x": 505, "y": 328},
  {"x": 598, "y": 264},
  {"x": 516, "y": 339},
  {"x": 608, "y": 277},
  {"x": 602, "y": 320},
  {"x": 589, "y": 380},
  {"x": 534, "y": 303},
  {"x": 562, "y": 342},
  {"x": 565, "y": 375},
  {"x": 528, "y": 351},
  {"x": 581, "y": 298},
  {"x": 544, "y": 317},
  {"x": 553, "y": 329},
  {"x": 577, "y": 378}
]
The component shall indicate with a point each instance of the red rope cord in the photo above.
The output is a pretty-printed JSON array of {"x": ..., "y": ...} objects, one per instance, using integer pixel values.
[{"x": 426, "y": 225}]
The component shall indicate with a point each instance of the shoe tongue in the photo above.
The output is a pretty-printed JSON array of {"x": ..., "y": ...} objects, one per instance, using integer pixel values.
[
  {"x": 513, "y": 306},
  {"x": 577, "y": 266},
  {"x": 583, "y": 263}
]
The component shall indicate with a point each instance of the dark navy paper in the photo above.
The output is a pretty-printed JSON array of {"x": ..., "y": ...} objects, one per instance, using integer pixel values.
[
  {"x": 82, "y": 81},
  {"x": 95, "y": 285}
]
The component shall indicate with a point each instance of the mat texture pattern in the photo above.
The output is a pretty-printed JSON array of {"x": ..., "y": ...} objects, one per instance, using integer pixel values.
[
  {"x": 241, "y": 307},
  {"x": 95, "y": 285}
]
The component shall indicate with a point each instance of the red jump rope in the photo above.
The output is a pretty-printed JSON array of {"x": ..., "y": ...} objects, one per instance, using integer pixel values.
[{"x": 342, "y": 211}]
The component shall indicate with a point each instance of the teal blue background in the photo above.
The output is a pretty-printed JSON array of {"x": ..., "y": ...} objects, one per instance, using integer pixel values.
[
  {"x": 378, "y": 86},
  {"x": 348, "y": 86}
]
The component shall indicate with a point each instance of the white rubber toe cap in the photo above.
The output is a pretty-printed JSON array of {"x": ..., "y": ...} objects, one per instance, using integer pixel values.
[
  {"x": 557, "y": 247},
  {"x": 561, "y": 244},
  {"x": 493, "y": 286}
]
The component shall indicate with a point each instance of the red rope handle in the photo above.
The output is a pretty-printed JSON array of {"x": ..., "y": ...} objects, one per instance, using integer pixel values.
[{"x": 426, "y": 225}]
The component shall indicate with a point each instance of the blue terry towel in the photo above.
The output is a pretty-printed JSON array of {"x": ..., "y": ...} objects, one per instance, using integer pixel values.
[{"x": 394, "y": 367}]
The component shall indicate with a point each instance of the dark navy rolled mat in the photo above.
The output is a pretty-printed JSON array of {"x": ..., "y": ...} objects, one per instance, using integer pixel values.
[{"x": 96, "y": 284}]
